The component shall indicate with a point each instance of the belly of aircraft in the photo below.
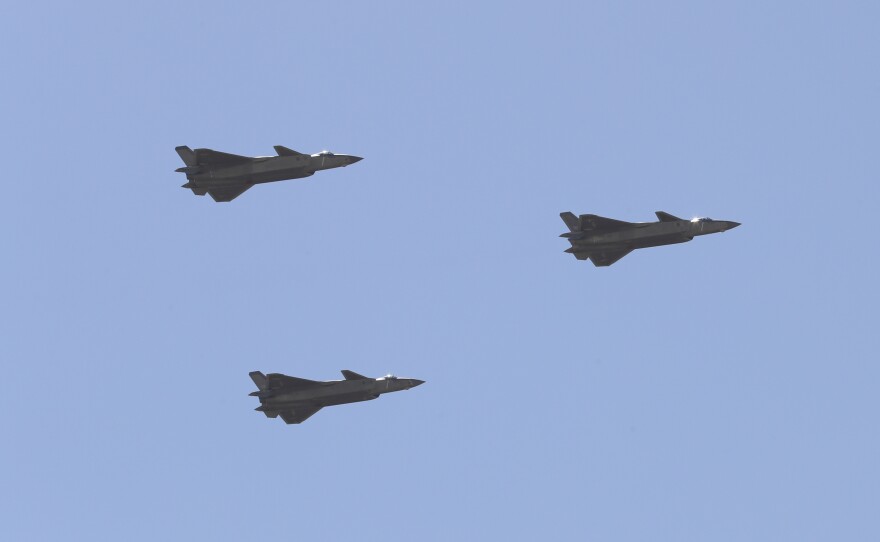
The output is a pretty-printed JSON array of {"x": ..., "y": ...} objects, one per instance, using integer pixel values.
[
  {"x": 291, "y": 401},
  {"x": 632, "y": 243},
  {"x": 273, "y": 176},
  {"x": 236, "y": 177}
]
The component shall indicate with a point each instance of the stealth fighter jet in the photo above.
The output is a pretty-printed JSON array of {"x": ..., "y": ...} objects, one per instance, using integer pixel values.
[
  {"x": 605, "y": 240},
  {"x": 225, "y": 176},
  {"x": 296, "y": 399}
]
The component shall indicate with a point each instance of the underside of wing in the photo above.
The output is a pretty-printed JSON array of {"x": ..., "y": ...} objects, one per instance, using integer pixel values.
[
  {"x": 298, "y": 415},
  {"x": 211, "y": 158},
  {"x": 607, "y": 257},
  {"x": 228, "y": 193},
  {"x": 596, "y": 222}
]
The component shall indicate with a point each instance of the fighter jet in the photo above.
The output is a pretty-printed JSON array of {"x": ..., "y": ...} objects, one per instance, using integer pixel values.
[
  {"x": 225, "y": 176},
  {"x": 605, "y": 240},
  {"x": 296, "y": 399}
]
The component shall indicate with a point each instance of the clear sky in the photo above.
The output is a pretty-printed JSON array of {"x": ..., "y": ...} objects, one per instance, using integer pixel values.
[{"x": 723, "y": 389}]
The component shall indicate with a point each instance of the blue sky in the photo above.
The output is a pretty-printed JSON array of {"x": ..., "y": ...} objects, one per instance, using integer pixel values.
[{"x": 723, "y": 389}]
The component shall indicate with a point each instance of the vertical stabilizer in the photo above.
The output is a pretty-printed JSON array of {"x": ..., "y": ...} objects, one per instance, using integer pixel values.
[
  {"x": 260, "y": 380},
  {"x": 187, "y": 155},
  {"x": 572, "y": 221}
]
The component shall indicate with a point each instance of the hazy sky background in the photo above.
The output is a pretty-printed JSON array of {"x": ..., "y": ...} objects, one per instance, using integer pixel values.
[{"x": 724, "y": 389}]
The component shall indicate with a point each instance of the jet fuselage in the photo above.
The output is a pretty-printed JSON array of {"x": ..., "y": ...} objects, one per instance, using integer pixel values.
[
  {"x": 226, "y": 176},
  {"x": 650, "y": 234},
  {"x": 342, "y": 392},
  {"x": 296, "y": 399},
  {"x": 605, "y": 240},
  {"x": 267, "y": 169}
]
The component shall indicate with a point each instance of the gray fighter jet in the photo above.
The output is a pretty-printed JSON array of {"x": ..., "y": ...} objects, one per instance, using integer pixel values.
[
  {"x": 605, "y": 240},
  {"x": 225, "y": 176},
  {"x": 296, "y": 399}
]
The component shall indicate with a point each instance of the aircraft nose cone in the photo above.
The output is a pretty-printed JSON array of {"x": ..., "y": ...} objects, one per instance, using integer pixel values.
[
  {"x": 354, "y": 159},
  {"x": 731, "y": 225},
  {"x": 416, "y": 382}
]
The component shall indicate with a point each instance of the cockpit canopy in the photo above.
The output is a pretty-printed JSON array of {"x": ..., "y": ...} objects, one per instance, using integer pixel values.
[
  {"x": 702, "y": 219},
  {"x": 324, "y": 153},
  {"x": 388, "y": 377}
]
